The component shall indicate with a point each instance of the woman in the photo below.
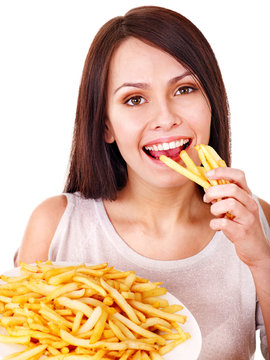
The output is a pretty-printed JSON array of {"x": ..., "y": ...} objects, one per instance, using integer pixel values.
[{"x": 150, "y": 86}]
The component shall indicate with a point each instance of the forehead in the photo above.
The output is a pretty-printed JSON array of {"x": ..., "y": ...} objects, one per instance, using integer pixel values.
[{"x": 134, "y": 60}]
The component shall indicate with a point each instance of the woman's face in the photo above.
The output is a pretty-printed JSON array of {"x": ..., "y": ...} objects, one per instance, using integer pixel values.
[{"x": 155, "y": 107}]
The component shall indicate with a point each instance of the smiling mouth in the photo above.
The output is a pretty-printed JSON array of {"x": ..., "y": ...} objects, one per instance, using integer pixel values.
[{"x": 171, "y": 149}]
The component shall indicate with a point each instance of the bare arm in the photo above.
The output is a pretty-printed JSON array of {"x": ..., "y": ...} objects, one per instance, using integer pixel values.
[
  {"x": 261, "y": 276},
  {"x": 40, "y": 230},
  {"x": 244, "y": 230},
  {"x": 266, "y": 209}
]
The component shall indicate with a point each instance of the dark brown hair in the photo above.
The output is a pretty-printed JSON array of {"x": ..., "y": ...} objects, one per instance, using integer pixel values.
[{"x": 97, "y": 169}]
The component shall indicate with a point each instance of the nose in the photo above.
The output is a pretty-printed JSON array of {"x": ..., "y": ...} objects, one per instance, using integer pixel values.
[{"x": 166, "y": 117}]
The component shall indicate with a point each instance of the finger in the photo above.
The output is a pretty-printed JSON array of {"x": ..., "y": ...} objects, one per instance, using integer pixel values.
[
  {"x": 249, "y": 244},
  {"x": 240, "y": 213},
  {"x": 228, "y": 227},
  {"x": 224, "y": 224},
  {"x": 235, "y": 176},
  {"x": 231, "y": 191}
]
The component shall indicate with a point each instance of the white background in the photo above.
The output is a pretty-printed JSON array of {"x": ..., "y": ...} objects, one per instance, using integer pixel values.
[{"x": 43, "y": 46}]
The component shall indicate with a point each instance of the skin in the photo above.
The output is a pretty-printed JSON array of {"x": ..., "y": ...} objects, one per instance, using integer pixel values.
[{"x": 160, "y": 213}]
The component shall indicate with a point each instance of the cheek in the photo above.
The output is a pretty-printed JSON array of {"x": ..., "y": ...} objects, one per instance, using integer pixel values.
[
  {"x": 126, "y": 138},
  {"x": 201, "y": 122},
  {"x": 127, "y": 126}
]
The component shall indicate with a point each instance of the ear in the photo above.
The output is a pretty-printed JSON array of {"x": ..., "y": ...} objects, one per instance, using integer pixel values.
[{"x": 109, "y": 134}]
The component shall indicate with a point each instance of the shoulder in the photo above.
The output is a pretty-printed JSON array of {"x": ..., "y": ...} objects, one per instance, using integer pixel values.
[
  {"x": 266, "y": 209},
  {"x": 53, "y": 205},
  {"x": 41, "y": 228},
  {"x": 49, "y": 212}
]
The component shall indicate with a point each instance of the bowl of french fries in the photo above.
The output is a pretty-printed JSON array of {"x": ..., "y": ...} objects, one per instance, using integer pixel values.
[{"x": 90, "y": 312}]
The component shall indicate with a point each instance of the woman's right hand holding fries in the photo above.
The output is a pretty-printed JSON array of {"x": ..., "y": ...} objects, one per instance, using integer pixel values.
[{"x": 244, "y": 228}]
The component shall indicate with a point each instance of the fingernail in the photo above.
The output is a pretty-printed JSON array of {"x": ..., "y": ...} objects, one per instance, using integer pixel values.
[
  {"x": 213, "y": 225},
  {"x": 210, "y": 173}
]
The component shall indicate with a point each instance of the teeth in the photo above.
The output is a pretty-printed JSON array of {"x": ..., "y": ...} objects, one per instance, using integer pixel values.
[{"x": 167, "y": 146}]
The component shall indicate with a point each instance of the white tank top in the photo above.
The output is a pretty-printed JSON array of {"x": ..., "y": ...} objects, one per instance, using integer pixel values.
[{"x": 214, "y": 284}]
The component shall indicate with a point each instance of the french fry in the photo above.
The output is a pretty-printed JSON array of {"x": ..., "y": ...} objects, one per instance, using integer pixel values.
[
  {"x": 99, "y": 327},
  {"x": 171, "y": 345},
  {"x": 189, "y": 163},
  {"x": 126, "y": 355},
  {"x": 53, "y": 316},
  {"x": 29, "y": 354},
  {"x": 128, "y": 295},
  {"x": 209, "y": 159},
  {"x": 73, "y": 340},
  {"x": 155, "y": 299},
  {"x": 173, "y": 308},
  {"x": 14, "y": 339},
  {"x": 206, "y": 165},
  {"x": 150, "y": 310},
  {"x": 152, "y": 321},
  {"x": 140, "y": 345},
  {"x": 137, "y": 329},
  {"x": 206, "y": 157},
  {"x": 145, "y": 286},
  {"x": 91, "y": 321},
  {"x": 184, "y": 171},
  {"x": 145, "y": 356},
  {"x": 62, "y": 278},
  {"x": 5, "y": 299},
  {"x": 156, "y": 292},
  {"x": 137, "y": 355},
  {"x": 124, "y": 329},
  {"x": 86, "y": 312},
  {"x": 77, "y": 321},
  {"x": 117, "y": 331},
  {"x": 129, "y": 280},
  {"x": 91, "y": 284},
  {"x": 74, "y": 305},
  {"x": 28, "y": 267},
  {"x": 60, "y": 290},
  {"x": 117, "y": 275},
  {"x": 120, "y": 300},
  {"x": 13, "y": 279},
  {"x": 154, "y": 355},
  {"x": 209, "y": 155}
]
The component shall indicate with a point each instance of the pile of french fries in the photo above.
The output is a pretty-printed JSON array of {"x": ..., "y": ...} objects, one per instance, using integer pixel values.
[
  {"x": 209, "y": 160},
  {"x": 87, "y": 313}
]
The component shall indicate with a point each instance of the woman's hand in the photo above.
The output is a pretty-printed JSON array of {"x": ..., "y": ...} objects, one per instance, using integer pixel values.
[{"x": 244, "y": 230}]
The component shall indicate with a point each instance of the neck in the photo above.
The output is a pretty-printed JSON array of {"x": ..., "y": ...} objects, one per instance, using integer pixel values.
[
  {"x": 157, "y": 205},
  {"x": 175, "y": 219}
]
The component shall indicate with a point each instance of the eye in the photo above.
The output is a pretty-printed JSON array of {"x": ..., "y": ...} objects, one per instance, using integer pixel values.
[
  {"x": 135, "y": 100},
  {"x": 185, "y": 90}
]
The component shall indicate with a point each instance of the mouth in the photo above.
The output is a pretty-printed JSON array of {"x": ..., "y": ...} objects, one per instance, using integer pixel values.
[{"x": 171, "y": 149}]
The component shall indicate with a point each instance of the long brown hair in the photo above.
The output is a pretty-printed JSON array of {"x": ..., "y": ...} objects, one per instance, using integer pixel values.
[{"x": 97, "y": 169}]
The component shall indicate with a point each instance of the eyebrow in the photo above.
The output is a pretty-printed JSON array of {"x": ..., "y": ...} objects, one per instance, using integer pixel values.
[{"x": 144, "y": 86}]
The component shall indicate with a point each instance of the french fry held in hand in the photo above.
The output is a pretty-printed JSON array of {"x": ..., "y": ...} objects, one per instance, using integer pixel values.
[
  {"x": 87, "y": 313},
  {"x": 209, "y": 159}
]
